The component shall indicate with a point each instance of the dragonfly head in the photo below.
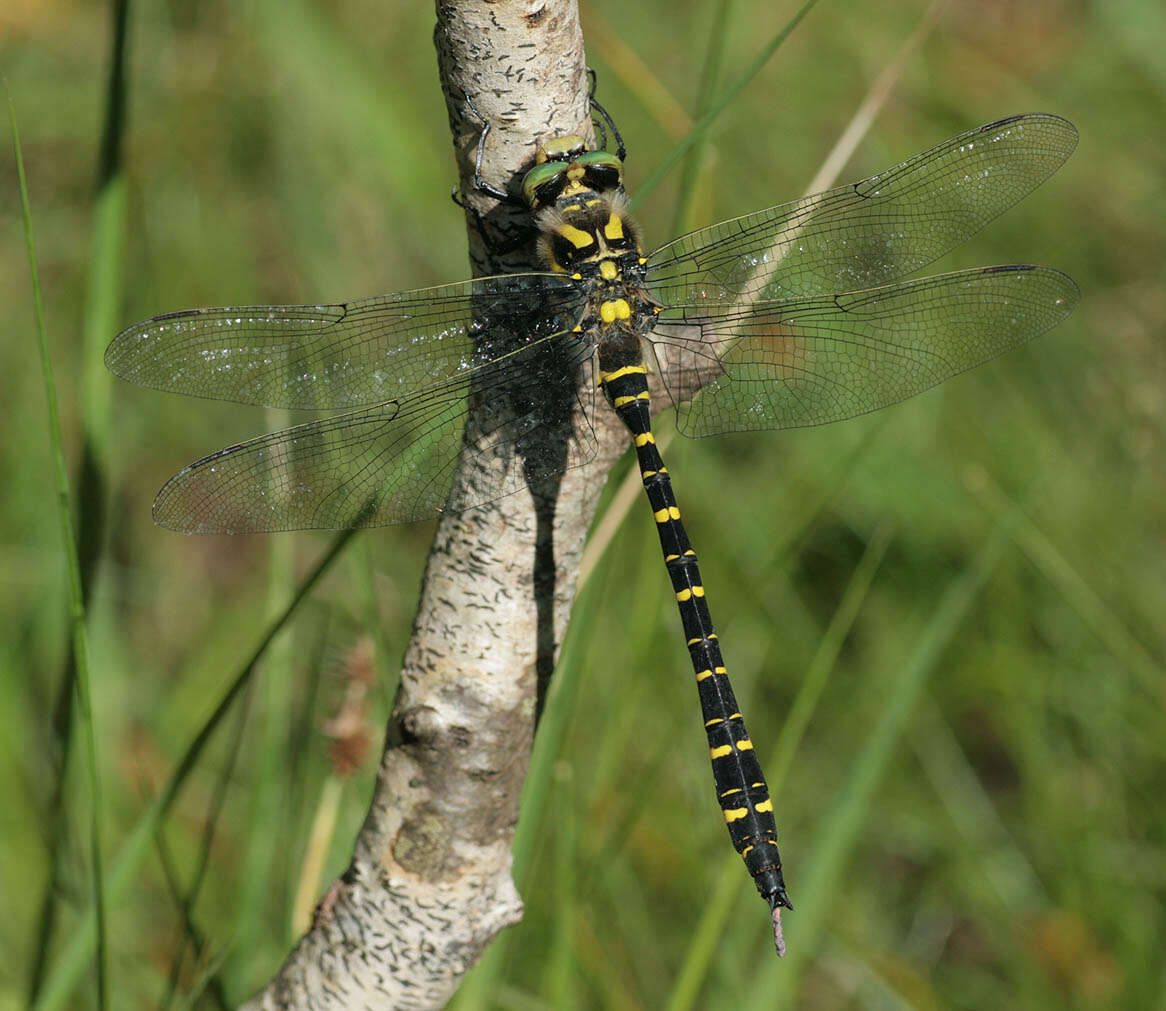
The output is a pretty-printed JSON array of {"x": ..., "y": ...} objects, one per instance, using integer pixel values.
[{"x": 564, "y": 166}]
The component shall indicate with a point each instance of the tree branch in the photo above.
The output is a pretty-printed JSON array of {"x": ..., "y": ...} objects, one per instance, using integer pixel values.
[{"x": 430, "y": 880}]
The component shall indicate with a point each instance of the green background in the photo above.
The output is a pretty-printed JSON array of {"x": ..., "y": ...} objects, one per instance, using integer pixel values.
[{"x": 974, "y": 813}]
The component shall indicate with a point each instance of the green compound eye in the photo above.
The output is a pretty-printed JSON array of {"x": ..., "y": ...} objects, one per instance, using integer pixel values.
[
  {"x": 543, "y": 183},
  {"x": 538, "y": 177},
  {"x": 603, "y": 158}
]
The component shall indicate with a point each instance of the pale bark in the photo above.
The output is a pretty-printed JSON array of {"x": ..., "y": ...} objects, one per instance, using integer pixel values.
[{"x": 430, "y": 881}]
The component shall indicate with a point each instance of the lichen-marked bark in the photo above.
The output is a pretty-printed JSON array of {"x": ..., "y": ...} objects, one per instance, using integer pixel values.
[{"x": 430, "y": 881}]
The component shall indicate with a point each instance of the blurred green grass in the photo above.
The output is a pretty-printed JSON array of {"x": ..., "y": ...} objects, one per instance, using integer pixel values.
[{"x": 1013, "y": 851}]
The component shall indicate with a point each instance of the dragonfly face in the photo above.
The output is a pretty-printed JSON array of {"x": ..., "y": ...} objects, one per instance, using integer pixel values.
[
  {"x": 565, "y": 166},
  {"x": 794, "y": 315}
]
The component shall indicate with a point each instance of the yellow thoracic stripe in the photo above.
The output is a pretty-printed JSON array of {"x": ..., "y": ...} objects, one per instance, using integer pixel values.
[
  {"x": 614, "y": 228},
  {"x": 576, "y": 236}
]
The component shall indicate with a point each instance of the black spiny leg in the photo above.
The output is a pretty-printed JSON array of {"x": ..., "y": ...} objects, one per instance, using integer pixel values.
[
  {"x": 621, "y": 151},
  {"x": 525, "y": 235},
  {"x": 740, "y": 783}
]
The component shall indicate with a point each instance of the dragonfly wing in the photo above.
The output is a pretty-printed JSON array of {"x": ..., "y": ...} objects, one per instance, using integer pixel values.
[
  {"x": 394, "y": 462},
  {"x": 811, "y": 361},
  {"x": 336, "y": 357},
  {"x": 871, "y": 232}
]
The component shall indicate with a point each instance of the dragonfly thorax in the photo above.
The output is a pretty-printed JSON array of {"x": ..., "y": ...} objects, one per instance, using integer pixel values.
[
  {"x": 587, "y": 227},
  {"x": 577, "y": 198},
  {"x": 588, "y": 234}
]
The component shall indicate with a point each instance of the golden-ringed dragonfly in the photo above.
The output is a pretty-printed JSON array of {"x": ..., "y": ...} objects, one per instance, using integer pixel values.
[{"x": 790, "y": 316}]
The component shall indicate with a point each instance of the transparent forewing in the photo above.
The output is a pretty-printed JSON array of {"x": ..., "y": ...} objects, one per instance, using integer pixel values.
[
  {"x": 336, "y": 357},
  {"x": 871, "y": 232},
  {"x": 393, "y": 462},
  {"x": 811, "y": 361}
]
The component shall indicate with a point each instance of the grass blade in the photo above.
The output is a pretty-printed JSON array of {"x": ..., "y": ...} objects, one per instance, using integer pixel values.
[
  {"x": 125, "y": 866},
  {"x": 103, "y": 291},
  {"x": 718, "y": 105},
  {"x": 72, "y": 562},
  {"x": 841, "y": 834},
  {"x": 699, "y": 160},
  {"x": 1093, "y": 610}
]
